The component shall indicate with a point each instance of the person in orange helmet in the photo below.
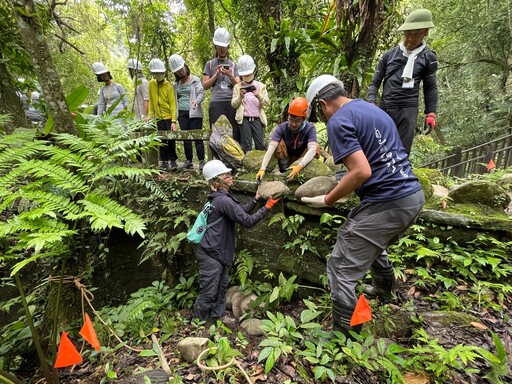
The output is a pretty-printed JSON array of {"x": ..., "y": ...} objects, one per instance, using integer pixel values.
[{"x": 292, "y": 140}]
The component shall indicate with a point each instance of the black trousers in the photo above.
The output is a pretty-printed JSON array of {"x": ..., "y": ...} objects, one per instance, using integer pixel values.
[
  {"x": 187, "y": 124},
  {"x": 213, "y": 284},
  {"x": 167, "y": 151},
  {"x": 406, "y": 120}
]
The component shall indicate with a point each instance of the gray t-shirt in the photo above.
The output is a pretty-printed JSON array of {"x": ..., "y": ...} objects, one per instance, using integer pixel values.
[
  {"x": 222, "y": 89},
  {"x": 141, "y": 95}
]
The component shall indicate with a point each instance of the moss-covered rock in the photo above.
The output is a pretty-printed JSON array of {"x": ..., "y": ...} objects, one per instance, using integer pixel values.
[
  {"x": 506, "y": 181},
  {"x": 315, "y": 168},
  {"x": 252, "y": 161},
  {"x": 423, "y": 177},
  {"x": 480, "y": 192}
]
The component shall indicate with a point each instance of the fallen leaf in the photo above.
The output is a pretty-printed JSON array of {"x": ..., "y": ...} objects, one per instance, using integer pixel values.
[
  {"x": 416, "y": 378},
  {"x": 411, "y": 291},
  {"x": 479, "y": 325}
]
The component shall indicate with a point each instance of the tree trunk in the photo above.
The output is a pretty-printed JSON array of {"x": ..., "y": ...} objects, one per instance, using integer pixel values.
[
  {"x": 10, "y": 103},
  {"x": 35, "y": 43}
]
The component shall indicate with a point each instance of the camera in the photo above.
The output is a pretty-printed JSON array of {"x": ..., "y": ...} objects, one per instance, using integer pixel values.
[{"x": 249, "y": 88}]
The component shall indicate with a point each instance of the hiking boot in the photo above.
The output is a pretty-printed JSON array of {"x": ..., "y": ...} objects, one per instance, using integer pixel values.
[
  {"x": 164, "y": 165},
  {"x": 187, "y": 165},
  {"x": 283, "y": 165},
  {"x": 201, "y": 165},
  {"x": 173, "y": 166}
]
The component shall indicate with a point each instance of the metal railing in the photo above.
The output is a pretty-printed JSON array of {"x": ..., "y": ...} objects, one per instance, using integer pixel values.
[{"x": 475, "y": 160}]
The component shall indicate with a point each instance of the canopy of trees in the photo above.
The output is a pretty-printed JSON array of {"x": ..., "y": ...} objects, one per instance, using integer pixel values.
[{"x": 52, "y": 45}]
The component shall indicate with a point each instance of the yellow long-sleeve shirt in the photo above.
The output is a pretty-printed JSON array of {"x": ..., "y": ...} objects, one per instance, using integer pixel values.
[{"x": 162, "y": 104}]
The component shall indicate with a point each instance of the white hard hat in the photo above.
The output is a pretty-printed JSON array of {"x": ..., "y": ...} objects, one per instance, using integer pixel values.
[
  {"x": 221, "y": 37},
  {"x": 176, "y": 62},
  {"x": 134, "y": 64},
  {"x": 315, "y": 89},
  {"x": 246, "y": 65},
  {"x": 99, "y": 69},
  {"x": 214, "y": 168},
  {"x": 156, "y": 66}
]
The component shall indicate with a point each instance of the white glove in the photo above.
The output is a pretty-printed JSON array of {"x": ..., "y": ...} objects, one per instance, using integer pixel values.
[
  {"x": 319, "y": 201},
  {"x": 315, "y": 202}
]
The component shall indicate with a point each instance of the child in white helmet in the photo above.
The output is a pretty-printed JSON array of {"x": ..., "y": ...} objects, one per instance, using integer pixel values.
[
  {"x": 216, "y": 250},
  {"x": 249, "y": 98}
]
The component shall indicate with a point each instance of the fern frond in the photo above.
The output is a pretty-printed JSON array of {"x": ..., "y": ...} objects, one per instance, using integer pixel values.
[
  {"x": 18, "y": 154},
  {"x": 107, "y": 213},
  {"x": 129, "y": 172},
  {"x": 59, "y": 176},
  {"x": 78, "y": 162},
  {"x": 137, "y": 312}
]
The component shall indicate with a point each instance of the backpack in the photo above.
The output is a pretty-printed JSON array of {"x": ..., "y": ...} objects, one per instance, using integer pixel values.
[
  {"x": 226, "y": 149},
  {"x": 200, "y": 226}
]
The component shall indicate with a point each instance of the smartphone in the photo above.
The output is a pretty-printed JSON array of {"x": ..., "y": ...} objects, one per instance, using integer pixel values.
[
  {"x": 249, "y": 88},
  {"x": 227, "y": 66}
]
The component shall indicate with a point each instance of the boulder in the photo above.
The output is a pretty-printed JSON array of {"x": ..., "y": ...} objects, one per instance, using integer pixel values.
[
  {"x": 315, "y": 168},
  {"x": 506, "y": 181},
  {"x": 480, "y": 192},
  {"x": 252, "y": 161},
  {"x": 272, "y": 188},
  {"x": 440, "y": 191},
  {"x": 320, "y": 185}
]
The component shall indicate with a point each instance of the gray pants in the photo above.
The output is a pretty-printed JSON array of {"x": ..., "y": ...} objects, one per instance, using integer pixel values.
[
  {"x": 251, "y": 128},
  {"x": 362, "y": 240},
  {"x": 213, "y": 283},
  {"x": 406, "y": 120}
]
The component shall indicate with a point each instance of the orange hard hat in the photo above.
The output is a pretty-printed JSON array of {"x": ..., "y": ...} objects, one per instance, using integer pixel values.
[{"x": 298, "y": 107}]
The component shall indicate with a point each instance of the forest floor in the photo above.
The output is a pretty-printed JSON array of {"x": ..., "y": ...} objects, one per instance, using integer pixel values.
[{"x": 128, "y": 365}]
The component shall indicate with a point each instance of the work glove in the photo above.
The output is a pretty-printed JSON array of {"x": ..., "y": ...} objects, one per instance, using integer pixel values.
[
  {"x": 271, "y": 202},
  {"x": 295, "y": 171},
  {"x": 315, "y": 202},
  {"x": 430, "y": 122},
  {"x": 260, "y": 174}
]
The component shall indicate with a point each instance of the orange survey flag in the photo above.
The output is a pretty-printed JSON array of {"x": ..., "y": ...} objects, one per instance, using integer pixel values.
[
  {"x": 491, "y": 165},
  {"x": 362, "y": 312},
  {"x": 67, "y": 354},
  {"x": 89, "y": 334}
]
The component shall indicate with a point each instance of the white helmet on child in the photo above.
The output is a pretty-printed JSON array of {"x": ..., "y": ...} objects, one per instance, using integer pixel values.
[
  {"x": 214, "y": 168},
  {"x": 246, "y": 65},
  {"x": 134, "y": 64},
  {"x": 99, "y": 69},
  {"x": 156, "y": 66},
  {"x": 176, "y": 62},
  {"x": 221, "y": 37}
]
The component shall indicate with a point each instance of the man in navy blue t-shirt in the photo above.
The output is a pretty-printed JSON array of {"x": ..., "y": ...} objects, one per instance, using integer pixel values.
[{"x": 365, "y": 139}]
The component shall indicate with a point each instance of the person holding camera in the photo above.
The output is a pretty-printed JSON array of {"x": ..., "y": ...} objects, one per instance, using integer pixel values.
[
  {"x": 249, "y": 98},
  {"x": 221, "y": 74}
]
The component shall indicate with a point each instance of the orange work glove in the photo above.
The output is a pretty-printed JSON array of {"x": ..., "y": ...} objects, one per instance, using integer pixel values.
[
  {"x": 271, "y": 202},
  {"x": 295, "y": 171},
  {"x": 260, "y": 174}
]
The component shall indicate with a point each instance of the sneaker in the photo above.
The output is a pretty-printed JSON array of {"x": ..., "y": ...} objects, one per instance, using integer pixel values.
[
  {"x": 164, "y": 165},
  {"x": 187, "y": 165},
  {"x": 173, "y": 165},
  {"x": 201, "y": 165}
]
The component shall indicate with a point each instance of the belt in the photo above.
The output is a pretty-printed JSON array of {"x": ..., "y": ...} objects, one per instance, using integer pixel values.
[{"x": 251, "y": 118}]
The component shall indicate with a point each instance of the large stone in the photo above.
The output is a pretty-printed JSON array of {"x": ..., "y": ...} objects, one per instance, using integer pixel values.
[
  {"x": 272, "y": 188},
  {"x": 191, "y": 347},
  {"x": 440, "y": 191},
  {"x": 320, "y": 185},
  {"x": 506, "y": 181},
  {"x": 229, "y": 294},
  {"x": 253, "y": 159},
  {"x": 480, "y": 192},
  {"x": 236, "y": 299},
  {"x": 315, "y": 168}
]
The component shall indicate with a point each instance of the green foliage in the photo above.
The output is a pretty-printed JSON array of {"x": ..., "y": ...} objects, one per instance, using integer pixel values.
[{"x": 50, "y": 189}]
